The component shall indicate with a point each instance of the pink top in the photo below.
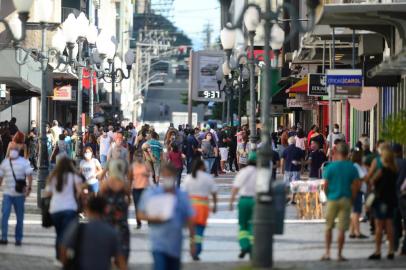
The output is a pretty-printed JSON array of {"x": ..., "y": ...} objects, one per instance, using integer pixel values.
[{"x": 176, "y": 159}]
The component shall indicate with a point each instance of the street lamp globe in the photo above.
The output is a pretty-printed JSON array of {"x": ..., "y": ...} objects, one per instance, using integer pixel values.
[
  {"x": 82, "y": 25},
  {"x": 129, "y": 58},
  {"x": 101, "y": 43},
  {"x": 227, "y": 37},
  {"x": 251, "y": 18},
  {"x": 59, "y": 41},
  {"x": 277, "y": 37},
  {"x": 92, "y": 33},
  {"x": 44, "y": 9},
  {"x": 70, "y": 29},
  {"x": 111, "y": 48},
  {"x": 23, "y": 5},
  {"x": 16, "y": 27}
]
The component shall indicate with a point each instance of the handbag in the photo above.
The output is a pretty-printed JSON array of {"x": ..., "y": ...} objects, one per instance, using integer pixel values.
[
  {"x": 322, "y": 197},
  {"x": 45, "y": 215},
  {"x": 20, "y": 183}
]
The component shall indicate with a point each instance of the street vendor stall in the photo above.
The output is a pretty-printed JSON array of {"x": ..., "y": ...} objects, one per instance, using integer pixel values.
[{"x": 310, "y": 197}]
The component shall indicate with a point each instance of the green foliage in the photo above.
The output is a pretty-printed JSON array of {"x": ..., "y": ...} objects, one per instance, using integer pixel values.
[
  {"x": 184, "y": 99},
  {"x": 394, "y": 128}
]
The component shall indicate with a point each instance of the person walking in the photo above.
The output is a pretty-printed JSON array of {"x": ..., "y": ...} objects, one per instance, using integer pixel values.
[
  {"x": 156, "y": 151},
  {"x": 93, "y": 244},
  {"x": 209, "y": 151},
  {"x": 355, "y": 231},
  {"x": 64, "y": 186},
  {"x": 335, "y": 135},
  {"x": 176, "y": 157},
  {"x": 117, "y": 149},
  {"x": 243, "y": 150},
  {"x": 301, "y": 140},
  {"x": 315, "y": 160},
  {"x": 116, "y": 191},
  {"x": 200, "y": 185},
  {"x": 167, "y": 222},
  {"x": 292, "y": 161},
  {"x": 245, "y": 185},
  {"x": 91, "y": 169},
  {"x": 192, "y": 146},
  {"x": 140, "y": 179},
  {"x": 14, "y": 171},
  {"x": 341, "y": 185},
  {"x": 104, "y": 146},
  {"x": 384, "y": 183},
  {"x": 33, "y": 147}
]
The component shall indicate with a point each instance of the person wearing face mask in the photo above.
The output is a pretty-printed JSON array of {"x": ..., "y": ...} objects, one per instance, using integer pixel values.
[
  {"x": 166, "y": 230},
  {"x": 104, "y": 147},
  {"x": 336, "y": 134},
  {"x": 91, "y": 169},
  {"x": 14, "y": 170}
]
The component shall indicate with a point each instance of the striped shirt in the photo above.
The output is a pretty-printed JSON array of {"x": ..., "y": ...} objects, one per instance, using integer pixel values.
[{"x": 21, "y": 168}]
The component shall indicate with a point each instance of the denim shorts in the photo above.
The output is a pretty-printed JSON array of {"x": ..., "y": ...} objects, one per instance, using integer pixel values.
[
  {"x": 357, "y": 204},
  {"x": 382, "y": 211}
]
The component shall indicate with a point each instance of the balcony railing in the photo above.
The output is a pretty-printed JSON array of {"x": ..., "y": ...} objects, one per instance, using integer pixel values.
[{"x": 362, "y": 1}]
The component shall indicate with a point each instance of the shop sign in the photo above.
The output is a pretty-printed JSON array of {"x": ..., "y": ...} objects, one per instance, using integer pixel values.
[
  {"x": 297, "y": 103},
  {"x": 317, "y": 85},
  {"x": 347, "y": 92},
  {"x": 344, "y": 77},
  {"x": 63, "y": 93}
]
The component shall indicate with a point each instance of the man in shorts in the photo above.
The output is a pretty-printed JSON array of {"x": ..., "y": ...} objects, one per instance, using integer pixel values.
[{"x": 342, "y": 184}]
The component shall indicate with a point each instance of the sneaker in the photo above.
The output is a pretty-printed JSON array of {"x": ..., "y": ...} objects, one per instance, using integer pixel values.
[
  {"x": 352, "y": 236},
  {"x": 390, "y": 256},
  {"x": 3, "y": 242},
  {"x": 362, "y": 236},
  {"x": 18, "y": 243}
]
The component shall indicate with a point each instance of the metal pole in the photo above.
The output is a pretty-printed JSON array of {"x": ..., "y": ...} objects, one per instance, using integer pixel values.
[
  {"x": 330, "y": 92},
  {"x": 113, "y": 88},
  {"x": 91, "y": 101},
  {"x": 240, "y": 94},
  {"x": 228, "y": 106},
  {"x": 189, "y": 97},
  {"x": 263, "y": 232},
  {"x": 43, "y": 146},
  {"x": 252, "y": 121},
  {"x": 79, "y": 141},
  {"x": 353, "y": 49}
]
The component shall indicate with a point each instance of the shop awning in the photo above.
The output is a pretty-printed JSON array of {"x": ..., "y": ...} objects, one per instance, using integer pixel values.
[{"x": 299, "y": 87}]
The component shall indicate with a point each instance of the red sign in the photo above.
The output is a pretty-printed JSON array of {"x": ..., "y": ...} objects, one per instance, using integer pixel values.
[
  {"x": 63, "y": 93},
  {"x": 259, "y": 54},
  {"x": 86, "y": 79}
]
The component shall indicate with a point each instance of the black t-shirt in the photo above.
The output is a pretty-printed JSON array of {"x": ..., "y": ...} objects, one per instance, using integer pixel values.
[
  {"x": 318, "y": 158},
  {"x": 291, "y": 154},
  {"x": 385, "y": 188}
]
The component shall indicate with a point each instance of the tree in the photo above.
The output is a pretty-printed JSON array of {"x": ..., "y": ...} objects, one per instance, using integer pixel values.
[{"x": 394, "y": 128}]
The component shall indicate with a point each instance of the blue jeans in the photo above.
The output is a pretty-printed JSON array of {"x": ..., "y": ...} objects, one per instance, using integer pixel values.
[
  {"x": 18, "y": 203},
  {"x": 208, "y": 163},
  {"x": 103, "y": 160},
  {"x": 163, "y": 261},
  {"x": 136, "y": 198},
  {"x": 61, "y": 221},
  {"x": 199, "y": 233}
]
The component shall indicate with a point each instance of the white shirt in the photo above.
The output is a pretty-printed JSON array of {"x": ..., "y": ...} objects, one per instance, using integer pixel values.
[
  {"x": 245, "y": 181},
  {"x": 64, "y": 200},
  {"x": 362, "y": 172},
  {"x": 203, "y": 185},
  {"x": 22, "y": 169},
  {"x": 133, "y": 132},
  {"x": 110, "y": 133},
  {"x": 105, "y": 144},
  {"x": 88, "y": 169}
]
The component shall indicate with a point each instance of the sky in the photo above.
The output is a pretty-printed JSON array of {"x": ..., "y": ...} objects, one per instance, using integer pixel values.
[{"x": 191, "y": 16}]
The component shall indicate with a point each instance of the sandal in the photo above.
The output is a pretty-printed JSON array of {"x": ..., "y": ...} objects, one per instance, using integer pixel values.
[{"x": 342, "y": 259}]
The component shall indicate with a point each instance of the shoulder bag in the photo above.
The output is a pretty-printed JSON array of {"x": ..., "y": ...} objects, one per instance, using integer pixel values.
[{"x": 20, "y": 183}]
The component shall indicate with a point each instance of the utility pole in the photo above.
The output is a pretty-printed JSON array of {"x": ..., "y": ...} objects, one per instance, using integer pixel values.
[{"x": 207, "y": 32}]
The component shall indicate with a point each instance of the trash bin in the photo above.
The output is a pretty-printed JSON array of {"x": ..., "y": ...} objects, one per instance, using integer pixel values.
[{"x": 279, "y": 204}]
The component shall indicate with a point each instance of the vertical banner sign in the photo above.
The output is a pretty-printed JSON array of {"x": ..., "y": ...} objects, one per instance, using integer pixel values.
[
  {"x": 347, "y": 82},
  {"x": 317, "y": 85},
  {"x": 203, "y": 75}
]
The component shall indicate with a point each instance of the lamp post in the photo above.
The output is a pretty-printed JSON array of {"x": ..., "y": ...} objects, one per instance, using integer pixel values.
[{"x": 264, "y": 208}]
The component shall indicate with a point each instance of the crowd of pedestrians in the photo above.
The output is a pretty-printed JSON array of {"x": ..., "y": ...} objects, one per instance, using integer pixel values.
[{"x": 89, "y": 198}]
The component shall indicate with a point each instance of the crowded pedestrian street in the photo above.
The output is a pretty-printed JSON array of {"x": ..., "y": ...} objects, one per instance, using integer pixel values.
[{"x": 191, "y": 134}]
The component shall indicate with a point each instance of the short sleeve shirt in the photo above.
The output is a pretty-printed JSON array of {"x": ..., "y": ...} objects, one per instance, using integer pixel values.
[
  {"x": 340, "y": 175},
  {"x": 167, "y": 237},
  {"x": 88, "y": 169},
  {"x": 203, "y": 185},
  {"x": 21, "y": 168},
  {"x": 245, "y": 181},
  {"x": 291, "y": 155},
  {"x": 317, "y": 159},
  {"x": 156, "y": 148}
]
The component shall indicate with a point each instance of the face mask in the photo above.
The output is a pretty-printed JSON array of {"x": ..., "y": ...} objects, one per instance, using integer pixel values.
[
  {"x": 336, "y": 130},
  {"x": 168, "y": 183},
  {"x": 88, "y": 155},
  {"x": 13, "y": 154}
]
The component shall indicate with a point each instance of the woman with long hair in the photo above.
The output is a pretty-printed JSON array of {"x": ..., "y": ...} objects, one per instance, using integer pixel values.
[
  {"x": 200, "y": 185},
  {"x": 116, "y": 191},
  {"x": 176, "y": 157},
  {"x": 384, "y": 183},
  {"x": 64, "y": 185},
  {"x": 91, "y": 169},
  {"x": 243, "y": 149},
  {"x": 301, "y": 140},
  {"x": 209, "y": 151},
  {"x": 18, "y": 141}
]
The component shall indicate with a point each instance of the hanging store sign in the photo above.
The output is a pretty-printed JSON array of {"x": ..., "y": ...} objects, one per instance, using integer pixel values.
[
  {"x": 317, "y": 85},
  {"x": 347, "y": 82},
  {"x": 63, "y": 93},
  {"x": 203, "y": 85}
]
